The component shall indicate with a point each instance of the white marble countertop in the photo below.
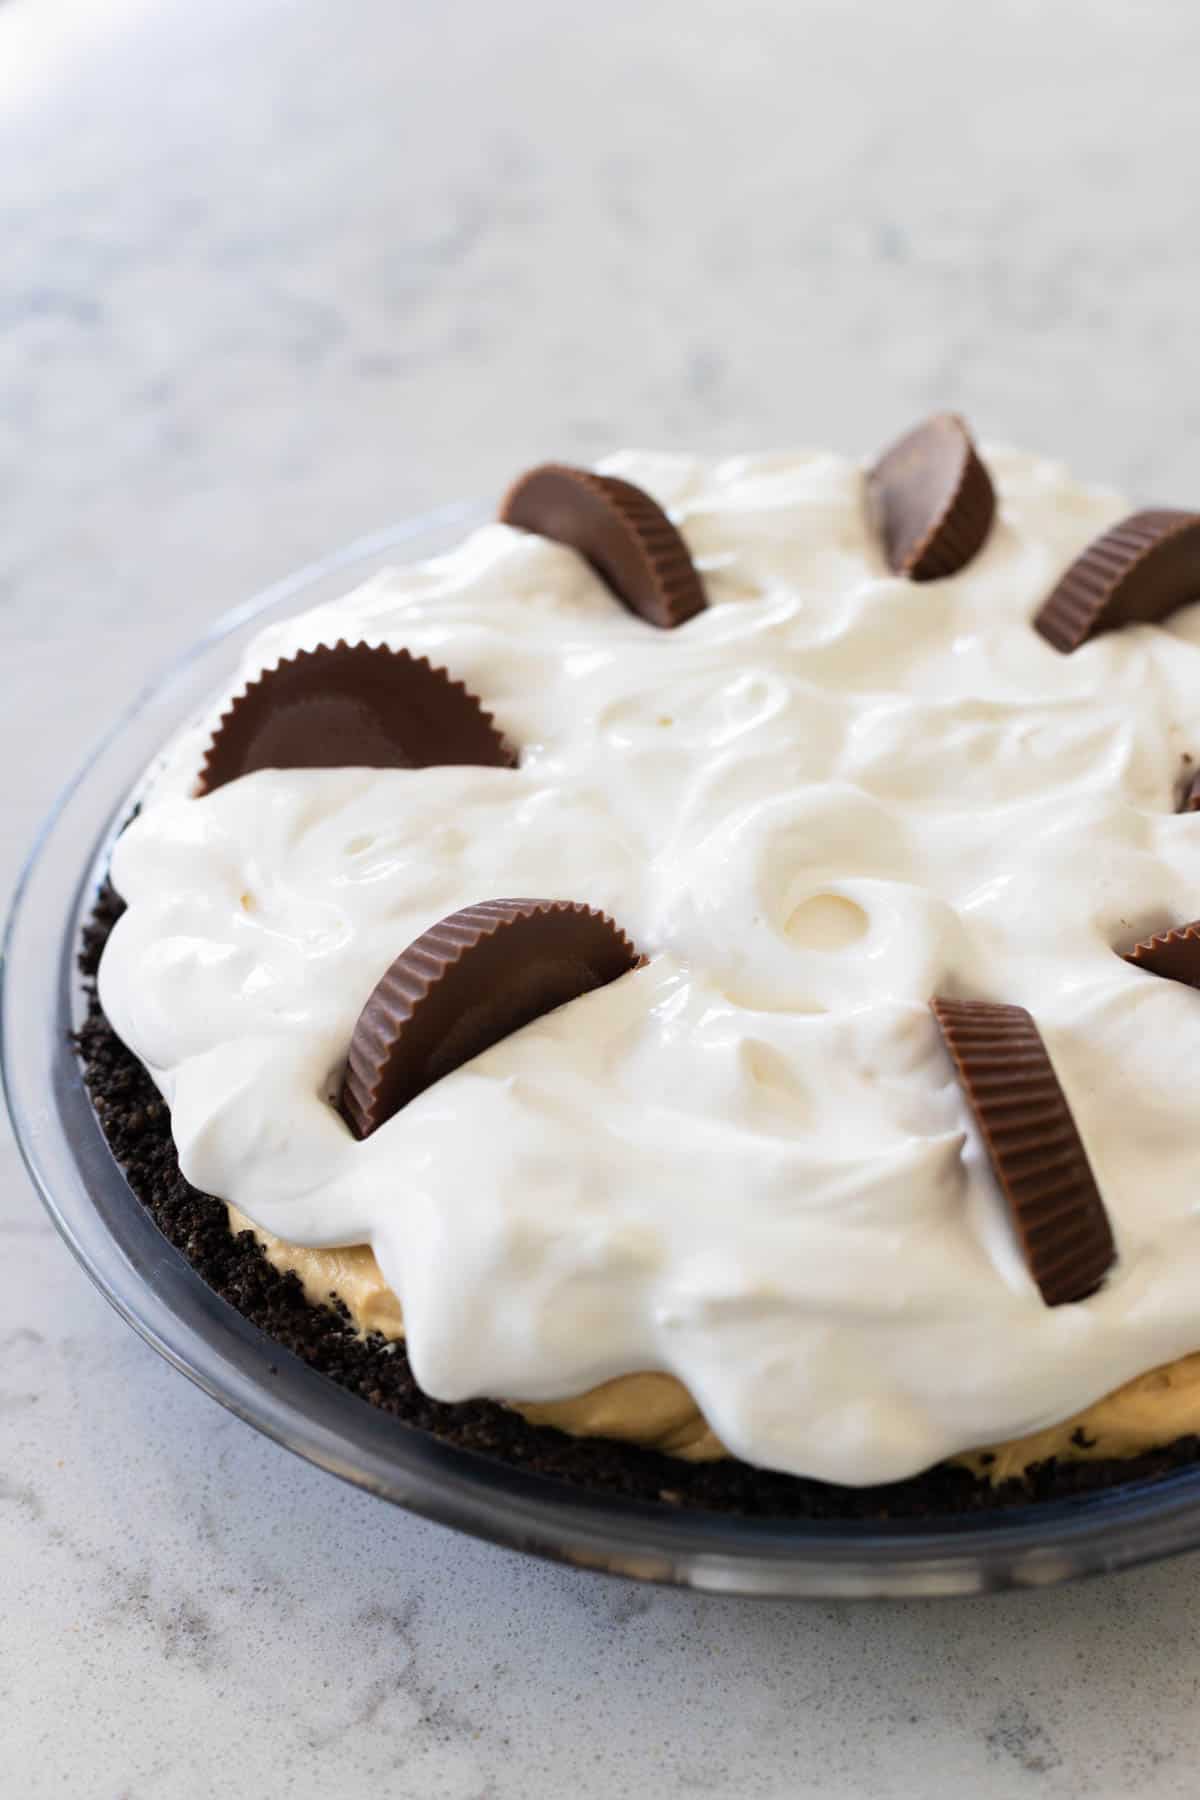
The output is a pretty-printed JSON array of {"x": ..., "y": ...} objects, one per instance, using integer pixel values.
[{"x": 274, "y": 272}]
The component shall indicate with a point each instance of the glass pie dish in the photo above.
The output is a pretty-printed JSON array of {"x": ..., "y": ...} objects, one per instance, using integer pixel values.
[{"x": 158, "y": 1292}]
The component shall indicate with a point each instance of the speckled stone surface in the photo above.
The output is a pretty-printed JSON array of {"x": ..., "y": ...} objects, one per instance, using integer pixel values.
[{"x": 274, "y": 272}]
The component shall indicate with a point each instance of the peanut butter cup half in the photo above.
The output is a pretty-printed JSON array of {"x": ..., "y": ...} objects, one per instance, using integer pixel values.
[
  {"x": 464, "y": 984},
  {"x": 1175, "y": 955},
  {"x": 931, "y": 500},
  {"x": 351, "y": 706},
  {"x": 1032, "y": 1143},
  {"x": 1135, "y": 574},
  {"x": 623, "y": 533}
]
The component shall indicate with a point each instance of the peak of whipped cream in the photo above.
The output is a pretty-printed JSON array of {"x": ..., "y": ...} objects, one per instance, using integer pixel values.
[{"x": 829, "y": 796}]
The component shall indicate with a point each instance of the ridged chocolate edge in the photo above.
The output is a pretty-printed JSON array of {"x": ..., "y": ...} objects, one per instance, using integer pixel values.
[
  {"x": 1174, "y": 955},
  {"x": 679, "y": 591},
  {"x": 1086, "y": 599},
  {"x": 407, "y": 982},
  {"x": 505, "y": 757},
  {"x": 955, "y": 538},
  {"x": 959, "y": 529},
  {"x": 1033, "y": 1144},
  {"x": 411, "y": 978}
]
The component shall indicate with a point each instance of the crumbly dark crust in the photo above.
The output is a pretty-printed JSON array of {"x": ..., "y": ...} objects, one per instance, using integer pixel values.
[{"x": 137, "y": 1125}]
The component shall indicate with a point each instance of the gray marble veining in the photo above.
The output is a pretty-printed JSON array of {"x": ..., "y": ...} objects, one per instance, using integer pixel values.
[{"x": 274, "y": 272}]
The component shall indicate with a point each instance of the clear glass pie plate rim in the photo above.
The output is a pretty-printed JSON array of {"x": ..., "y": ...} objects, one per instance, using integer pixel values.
[{"x": 156, "y": 1290}]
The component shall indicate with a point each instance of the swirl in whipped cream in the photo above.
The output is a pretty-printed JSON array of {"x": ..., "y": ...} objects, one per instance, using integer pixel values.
[{"x": 748, "y": 1164}]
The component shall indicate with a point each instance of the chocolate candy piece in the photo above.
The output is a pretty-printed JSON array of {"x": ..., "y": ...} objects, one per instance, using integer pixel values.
[
  {"x": 931, "y": 500},
  {"x": 1173, "y": 954},
  {"x": 351, "y": 706},
  {"x": 625, "y": 535},
  {"x": 466, "y": 983},
  {"x": 1032, "y": 1143},
  {"x": 1189, "y": 799},
  {"x": 1134, "y": 574}
]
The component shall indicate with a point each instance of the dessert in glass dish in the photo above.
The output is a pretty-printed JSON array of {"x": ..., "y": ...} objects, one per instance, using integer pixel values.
[{"x": 685, "y": 993}]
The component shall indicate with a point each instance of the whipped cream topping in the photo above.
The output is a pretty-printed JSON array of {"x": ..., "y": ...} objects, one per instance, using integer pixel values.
[{"x": 826, "y": 798}]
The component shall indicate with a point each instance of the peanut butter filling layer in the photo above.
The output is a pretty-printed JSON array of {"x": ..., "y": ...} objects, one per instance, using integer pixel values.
[{"x": 657, "y": 1411}]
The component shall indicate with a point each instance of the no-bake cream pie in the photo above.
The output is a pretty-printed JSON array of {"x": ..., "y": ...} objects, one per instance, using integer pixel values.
[{"x": 692, "y": 991}]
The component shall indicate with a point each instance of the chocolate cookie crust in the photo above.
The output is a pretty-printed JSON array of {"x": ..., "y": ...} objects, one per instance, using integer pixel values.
[{"x": 136, "y": 1123}]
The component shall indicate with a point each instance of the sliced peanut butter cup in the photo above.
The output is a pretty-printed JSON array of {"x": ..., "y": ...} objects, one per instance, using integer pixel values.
[
  {"x": 464, "y": 984},
  {"x": 351, "y": 706},
  {"x": 1175, "y": 955},
  {"x": 1136, "y": 574},
  {"x": 623, "y": 533},
  {"x": 931, "y": 500},
  {"x": 1033, "y": 1145}
]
